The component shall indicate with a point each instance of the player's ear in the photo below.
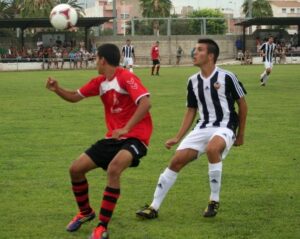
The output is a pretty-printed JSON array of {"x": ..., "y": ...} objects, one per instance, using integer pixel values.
[
  {"x": 211, "y": 56},
  {"x": 104, "y": 61}
]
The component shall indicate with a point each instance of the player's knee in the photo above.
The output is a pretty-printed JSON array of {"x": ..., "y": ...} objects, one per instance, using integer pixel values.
[
  {"x": 212, "y": 149},
  {"x": 75, "y": 171},
  {"x": 113, "y": 171},
  {"x": 176, "y": 164}
]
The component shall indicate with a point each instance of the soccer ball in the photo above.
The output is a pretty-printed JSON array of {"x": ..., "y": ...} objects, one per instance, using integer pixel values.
[{"x": 63, "y": 16}]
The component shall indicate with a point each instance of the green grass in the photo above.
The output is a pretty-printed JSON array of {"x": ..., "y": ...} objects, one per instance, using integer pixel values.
[{"x": 41, "y": 135}]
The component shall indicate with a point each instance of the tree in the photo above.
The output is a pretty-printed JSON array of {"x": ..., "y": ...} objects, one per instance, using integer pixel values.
[
  {"x": 4, "y": 7},
  {"x": 260, "y": 8},
  {"x": 42, "y": 8},
  {"x": 33, "y": 8},
  {"x": 36, "y": 8},
  {"x": 141, "y": 27},
  {"x": 213, "y": 26},
  {"x": 74, "y": 4},
  {"x": 155, "y": 9}
]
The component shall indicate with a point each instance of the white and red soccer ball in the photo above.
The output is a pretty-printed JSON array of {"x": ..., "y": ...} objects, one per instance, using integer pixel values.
[{"x": 63, "y": 16}]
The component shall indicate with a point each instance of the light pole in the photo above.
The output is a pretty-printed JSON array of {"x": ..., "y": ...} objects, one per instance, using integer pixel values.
[
  {"x": 124, "y": 17},
  {"x": 115, "y": 18},
  {"x": 250, "y": 8}
]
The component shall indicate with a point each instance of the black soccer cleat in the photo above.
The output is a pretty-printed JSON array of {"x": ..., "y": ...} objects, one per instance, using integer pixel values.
[
  {"x": 263, "y": 84},
  {"x": 147, "y": 212},
  {"x": 212, "y": 209}
]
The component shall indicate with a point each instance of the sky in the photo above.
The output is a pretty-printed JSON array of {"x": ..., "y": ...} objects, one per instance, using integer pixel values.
[{"x": 234, "y": 4}]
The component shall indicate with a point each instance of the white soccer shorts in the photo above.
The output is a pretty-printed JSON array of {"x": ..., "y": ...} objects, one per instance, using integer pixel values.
[
  {"x": 268, "y": 64},
  {"x": 198, "y": 139},
  {"x": 128, "y": 61}
]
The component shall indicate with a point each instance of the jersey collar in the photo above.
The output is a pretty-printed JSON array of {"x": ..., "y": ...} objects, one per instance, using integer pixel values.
[{"x": 211, "y": 75}]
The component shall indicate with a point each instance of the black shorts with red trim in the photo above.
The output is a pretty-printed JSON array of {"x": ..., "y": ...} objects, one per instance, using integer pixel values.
[
  {"x": 155, "y": 62},
  {"x": 104, "y": 150}
]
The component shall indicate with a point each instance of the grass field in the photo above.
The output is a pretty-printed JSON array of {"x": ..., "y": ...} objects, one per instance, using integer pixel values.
[{"x": 41, "y": 135}]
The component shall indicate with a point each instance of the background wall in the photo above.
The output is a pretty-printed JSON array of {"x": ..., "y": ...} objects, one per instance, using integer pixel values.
[{"x": 168, "y": 46}]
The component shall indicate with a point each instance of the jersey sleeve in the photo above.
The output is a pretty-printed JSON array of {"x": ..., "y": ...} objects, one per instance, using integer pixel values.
[
  {"x": 262, "y": 47},
  {"x": 236, "y": 87},
  {"x": 191, "y": 101},
  {"x": 90, "y": 89},
  {"x": 134, "y": 87}
]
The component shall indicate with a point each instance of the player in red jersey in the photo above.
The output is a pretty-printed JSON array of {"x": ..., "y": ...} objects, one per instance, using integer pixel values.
[
  {"x": 129, "y": 127},
  {"x": 155, "y": 58}
]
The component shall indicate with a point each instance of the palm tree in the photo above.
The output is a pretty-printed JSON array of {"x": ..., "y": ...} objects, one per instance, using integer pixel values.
[
  {"x": 9, "y": 8},
  {"x": 36, "y": 8},
  {"x": 42, "y": 8},
  {"x": 260, "y": 8},
  {"x": 4, "y": 7},
  {"x": 155, "y": 9},
  {"x": 74, "y": 4}
]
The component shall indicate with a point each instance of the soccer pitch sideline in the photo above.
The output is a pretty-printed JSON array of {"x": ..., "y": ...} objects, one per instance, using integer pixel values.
[{"x": 41, "y": 135}]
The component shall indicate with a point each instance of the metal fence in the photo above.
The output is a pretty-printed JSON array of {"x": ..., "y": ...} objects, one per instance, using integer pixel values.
[{"x": 174, "y": 26}]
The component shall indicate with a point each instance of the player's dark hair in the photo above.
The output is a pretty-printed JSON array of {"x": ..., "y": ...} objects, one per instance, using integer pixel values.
[
  {"x": 110, "y": 53},
  {"x": 212, "y": 47},
  {"x": 270, "y": 37}
]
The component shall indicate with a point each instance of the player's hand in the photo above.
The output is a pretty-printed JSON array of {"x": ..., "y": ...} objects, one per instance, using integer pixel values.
[
  {"x": 239, "y": 140},
  {"x": 119, "y": 132},
  {"x": 51, "y": 84},
  {"x": 170, "y": 142}
]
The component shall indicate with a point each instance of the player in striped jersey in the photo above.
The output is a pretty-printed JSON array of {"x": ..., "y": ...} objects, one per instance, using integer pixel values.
[
  {"x": 128, "y": 55},
  {"x": 267, "y": 49},
  {"x": 212, "y": 92}
]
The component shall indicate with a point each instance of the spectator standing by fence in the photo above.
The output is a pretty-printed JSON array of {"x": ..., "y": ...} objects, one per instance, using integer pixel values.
[{"x": 179, "y": 53}]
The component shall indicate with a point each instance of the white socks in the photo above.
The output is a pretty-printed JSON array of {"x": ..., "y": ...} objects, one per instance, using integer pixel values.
[
  {"x": 264, "y": 76},
  {"x": 165, "y": 182},
  {"x": 131, "y": 69},
  {"x": 168, "y": 177},
  {"x": 215, "y": 173}
]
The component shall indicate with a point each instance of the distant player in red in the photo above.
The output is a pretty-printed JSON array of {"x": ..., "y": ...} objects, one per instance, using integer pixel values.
[
  {"x": 155, "y": 58},
  {"x": 129, "y": 127}
]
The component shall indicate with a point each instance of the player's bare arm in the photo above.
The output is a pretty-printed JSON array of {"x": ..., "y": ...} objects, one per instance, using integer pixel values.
[
  {"x": 143, "y": 108},
  {"x": 242, "y": 121},
  {"x": 187, "y": 121},
  {"x": 68, "y": 95}
]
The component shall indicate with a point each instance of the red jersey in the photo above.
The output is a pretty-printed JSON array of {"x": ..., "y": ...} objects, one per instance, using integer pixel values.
[
  {"x": 155, "y": 53},
  {"x": 120, "y": 96}
]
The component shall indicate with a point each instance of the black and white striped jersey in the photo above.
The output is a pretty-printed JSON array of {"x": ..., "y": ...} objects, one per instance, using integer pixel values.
[
  {"x": 268, "y": 50},
  {"x": 215, "y": 97},
  {"x": 128, "y": 51}
]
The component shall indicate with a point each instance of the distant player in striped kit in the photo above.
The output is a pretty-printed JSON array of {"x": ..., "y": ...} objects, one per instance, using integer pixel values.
[
  {"x": 128, "y": 55},
  {"x": 212, "y": 92},
  {"x": 267, "y": 49}
]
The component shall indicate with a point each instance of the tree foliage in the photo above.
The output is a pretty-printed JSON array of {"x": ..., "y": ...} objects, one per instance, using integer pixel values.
[
  {"x": 213, "y": 26},
  {"x": 33, "y": 8},
  {"x": 260, "y": 8},
  {"x": 4, "y": 13},
  {"x": 155, "y": 9}
]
